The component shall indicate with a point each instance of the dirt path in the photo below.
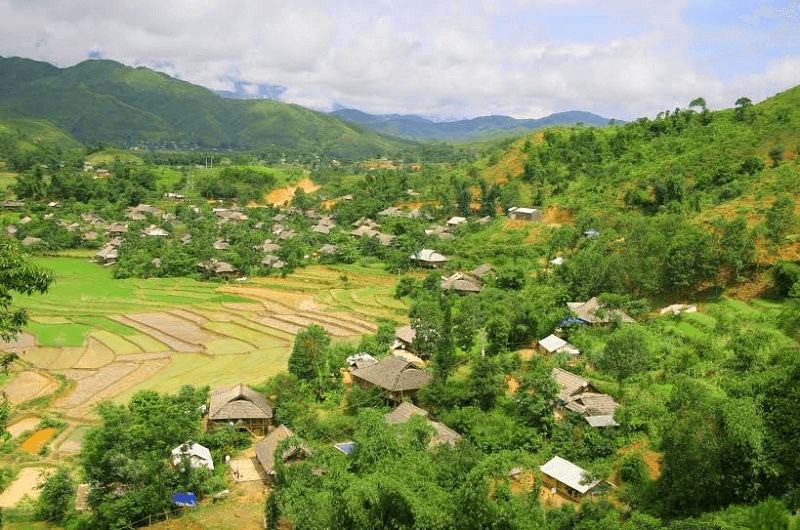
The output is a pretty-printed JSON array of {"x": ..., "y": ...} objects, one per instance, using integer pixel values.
[
  {"x": 280, "y": 196},
  {"x": 25, "y": 484}
]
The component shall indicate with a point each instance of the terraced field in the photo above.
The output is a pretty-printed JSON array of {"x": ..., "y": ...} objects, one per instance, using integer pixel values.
[{"x": 111, "y": 338}]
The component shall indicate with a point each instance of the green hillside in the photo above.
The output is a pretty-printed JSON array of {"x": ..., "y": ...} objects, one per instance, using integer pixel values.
[{"x": 104, "y": 101}]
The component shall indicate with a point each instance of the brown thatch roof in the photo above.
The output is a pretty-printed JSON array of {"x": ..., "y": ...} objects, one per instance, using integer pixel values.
[
  {"x": 393, "y": 374},
  {"x": 265, "y": 449},
  {"x": 593, "y": 312},
  {"x": 405, "y": 411},
  {"x": 462, "y": 283},
  {"x": 571, "y": 384},
  {"x": 406, "y": 334},
  {"x": 238, "y": 403}
]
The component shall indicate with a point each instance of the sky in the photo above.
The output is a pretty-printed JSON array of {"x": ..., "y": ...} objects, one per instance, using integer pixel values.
[{"x": 448, "y": 59}]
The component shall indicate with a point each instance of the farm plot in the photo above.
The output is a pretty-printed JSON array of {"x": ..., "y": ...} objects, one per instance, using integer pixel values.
[
  {"x": 174, "y": 326},
  {"x": 25, "y": 484},
  {"x": 29, "y": 385},
  {"x": 19, "y": 427}
]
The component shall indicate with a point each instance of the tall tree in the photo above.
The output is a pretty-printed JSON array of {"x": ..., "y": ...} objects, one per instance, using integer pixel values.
[
  {"x": 627, "y": 352},
  {"x": 308, "y": 360}
]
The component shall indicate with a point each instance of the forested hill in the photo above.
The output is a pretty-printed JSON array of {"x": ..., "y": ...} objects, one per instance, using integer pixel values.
[
  {"x": 419, "y": 128},
  {"x": 105, "y": 101}
]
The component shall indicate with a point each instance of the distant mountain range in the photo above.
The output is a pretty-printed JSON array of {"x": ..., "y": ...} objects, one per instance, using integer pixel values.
[
  {"x": 415, "y": 127},
  {"x": 101, "y": 100},
  {"x": 105, "y": 101}
]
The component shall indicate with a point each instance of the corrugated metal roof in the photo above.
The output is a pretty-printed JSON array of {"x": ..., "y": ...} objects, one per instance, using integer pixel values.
[{"x": 568, "y": 473}]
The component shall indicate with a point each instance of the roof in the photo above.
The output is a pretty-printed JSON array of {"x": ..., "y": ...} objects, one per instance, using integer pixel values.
[
  {"x": 265, "y": 449},
  {"x": 570, "y": 383},
  {"x": 406, "y": 411},
  {"x": 428, "y": 255},
  {"x": 482, "y": 270},
  {"x": 393, "y": 374},
  {"x": 601, "y": 421},
  {"x": 593, "y": 404},
  {"x": 456, "y": 220},
  {"x": 406, "y": 334},
  {"x": 519, "y": 209},
  {"x": 239, "y": 402},
  {"x": 551, "y": 343},
  {"x": 403, "y": 413},
  {"x": 198, "y": 454},
  {"x": 593, "y": 312},
  {"x": 567, "y": 473},
  {"x": 462, "y": 283}
]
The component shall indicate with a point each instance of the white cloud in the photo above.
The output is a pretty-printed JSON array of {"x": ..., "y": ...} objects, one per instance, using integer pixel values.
[
  {"x": 619, "y": 58},
  {"x": 790, "y": 11}
]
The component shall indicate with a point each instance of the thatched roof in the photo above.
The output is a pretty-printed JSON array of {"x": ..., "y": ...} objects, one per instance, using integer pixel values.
[
  {"x": 427, "y": 255},
  {"x": 393, "y": 374},
  {"x": 405, "y": 334},
  {"x": 571, "y": 384},
  {"x": 238, "y": 403},
  {"x": 593, "y": 312},
  {"x": 265, "y": 449},
  {"x": 462, "y": 283},
  {"x": 405, "y": 411}
]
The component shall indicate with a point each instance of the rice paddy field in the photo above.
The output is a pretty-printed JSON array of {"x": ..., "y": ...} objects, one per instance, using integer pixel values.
[{"x": 93, "y": 338}]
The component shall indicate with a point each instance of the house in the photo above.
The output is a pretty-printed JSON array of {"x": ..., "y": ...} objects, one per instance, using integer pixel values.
[
  {"x": 557, "y": 261},
  {"x": 570, "y": 480},
  {"x": 455, "y": 221},
  {"x": 578, "y": 395},
  {"x": 429, "y": 258},
  {"x": 442, "y": 433},
  {"x": 198, "y": 455},
  {"x": 397, "y": 377},
  {"x": 240, "y": 406},
  {"x": 461, "y": 283},
  {"x": 116, "y": 229},
  {"x": 107, "y": 255},
  {"x": 31, "y": 241},
  {"x": 594, "y": 312},
  {"x": 328, "y": 249},
  {"x": 8, "y": 204},
  {"x": 214, "y": 267},
  {"x": 154, "y": 231},
  {"x": 266, "y": 448},
  {"x": 404, "y": 338},
  {"x": 517, "y": 213},
  {"x": 552, "y": 344},
  {"x": 90, "y": 236},
  {"x": 272, "y": 261},
  {"x": 266, "y": 246},
  {"x": 360, "y": 360}
]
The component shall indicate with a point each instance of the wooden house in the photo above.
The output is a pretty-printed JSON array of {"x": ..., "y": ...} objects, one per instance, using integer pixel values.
[
  {"x": 429, "y": 258},
  {"x": 241, "y": 407},
  {"x": 397, "y": 377},
  {"x": 462, "y": 284}
]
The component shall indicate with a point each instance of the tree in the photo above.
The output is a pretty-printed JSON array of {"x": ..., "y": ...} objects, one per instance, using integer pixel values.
[
  {"x": 781, "y": 219},
  {"x": 743, "y": 109},
  {"x": 56, "y": 497},
  {"x": 308, "y": 360},
  {"x": 698, "y": 102},
  {"x": 627, "y": 353},
  {"x": 17, "y": 275}
]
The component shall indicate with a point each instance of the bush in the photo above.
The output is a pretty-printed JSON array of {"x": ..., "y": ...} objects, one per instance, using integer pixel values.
[{"x": 785, "y": 274}]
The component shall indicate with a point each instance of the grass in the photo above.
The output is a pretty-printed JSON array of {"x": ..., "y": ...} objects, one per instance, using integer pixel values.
[
  {"x": 228, "y": 346},
  {"x": 235, "y": 330},
  {"x": 63, "y": 335}
]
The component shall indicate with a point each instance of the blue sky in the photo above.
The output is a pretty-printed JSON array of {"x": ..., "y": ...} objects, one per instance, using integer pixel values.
[{"x": 451, "y": 59}]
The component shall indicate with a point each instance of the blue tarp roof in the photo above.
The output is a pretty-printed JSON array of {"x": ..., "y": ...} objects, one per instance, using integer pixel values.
[
  {"x": 347, "y": 448},
  {"x": 570, "y": 320},
  {"x": 185, "y": 499}
]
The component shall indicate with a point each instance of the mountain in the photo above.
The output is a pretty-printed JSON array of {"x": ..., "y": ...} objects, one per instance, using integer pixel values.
[
  {"x": 418, "y": 128},
  {"x": 102, "y": 100}
]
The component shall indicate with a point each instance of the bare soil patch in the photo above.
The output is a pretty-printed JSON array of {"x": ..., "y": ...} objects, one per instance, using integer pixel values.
[
  {"x": 29, "y": 385},
  {"x": 110, "y": 382},
  {"x": 24, "y": 342},
  {"x": 556, "y": 215},
  {"x": 553, "y": 500},
  {"x": 182, "y": 329},
  {"x": 168, "y": 340},
  {"x": 67, "y": 358},
  {"x": 135, "y": 357},
  {"x": 25, "y": 424},
  {"x": 189, "y": 315},
  {"x": 280, "y": 196},
  {"x": 92, "y": 385},
  {"x": 274, "y": 323},
  {"x": 24, "y": 485},
  {"x": 304, "y": 322},
  {"x": 97, "y": 355}
]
